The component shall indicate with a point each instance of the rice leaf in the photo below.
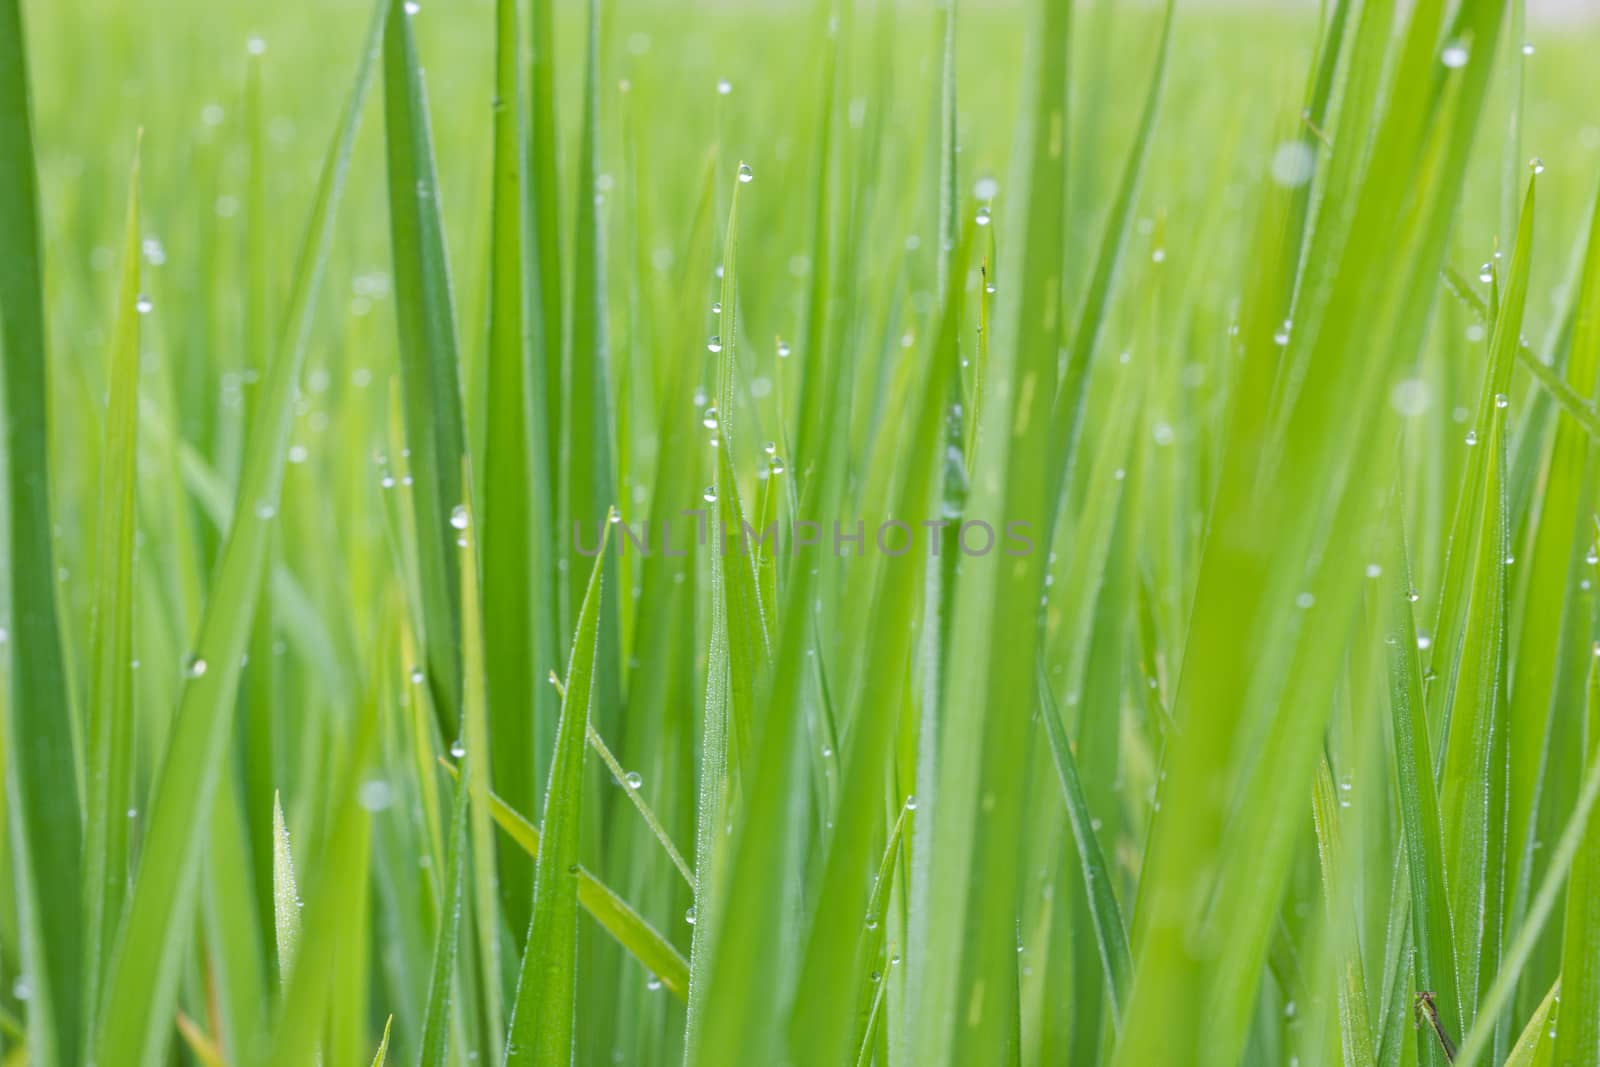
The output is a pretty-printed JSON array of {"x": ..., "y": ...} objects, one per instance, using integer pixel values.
[
  {"x": 110, "y": 704},
  {"x": 516, "y": 489},
  {"x": 1535, "y": 1047},
  {"x": 543, "y": 1015},
  {"x": 1422, "y": 831},
  {"x": 476, "y": 735},
  {"x": 286, "y": 901},
  {"x": 1578, "y": 1035},
  {"x": 1110, "y": 931},
  {"x": 430, "y": 367},
  {"x": 608, "y": 909},
  {"x": 442, "y": 977},
  {"x": 330, "y": 897},
  {"x": 1477, "y": 1039},
  {"x": 383, "y": 1046},
  {"x": 41, "y": 764},
  {"x": 143, "y": 970}
]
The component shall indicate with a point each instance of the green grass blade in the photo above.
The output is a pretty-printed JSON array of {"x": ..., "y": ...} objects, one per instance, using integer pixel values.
[
  {"x": 286, "y": 901},
  {"x": 1355, "y": 1026},
  {"x": 134, "y": 1028},
  {"x": 1422, "y": 830},
  {"x": 430, "y": 368},
  {"x": 1579, "y": 370},
  {"x": 110, "y": 705},
  {"x": 383, "y": 1045},
  {"x": 608, "y": 909},
  {"x": 732, "y": 661},
  {"x": 41, "y": 765},
  {"x": 1067, "y": 411},
  {"x": 961, "y": 931},
  {"x": 331, "y": 899},
  {"x": 476, "y": 734},
  {"x": 842, "y": 950},
  {"x": 1477, "y": 1040},
  {"x": 516, "y": 593},
  {"x": 1535, "y": 1047},
  {"x": 1578, "y": 1036},
  {"x": 733, "y": 573},
  {"x": 233, "y": 938},
  {"x": 544, "y": 227},
  {"x": 1110, "y": 931},
  {"x": 1472, "y": 795},
  {"x": 543, "y": 1016},
  {"x": 630, "y": 784},
  {"x": 1553, "y": 653},
  {"x": 442, "y": 977}
]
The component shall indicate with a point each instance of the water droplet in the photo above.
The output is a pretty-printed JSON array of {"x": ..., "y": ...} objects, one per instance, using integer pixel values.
[
  {"x": 714, "y": 344},
  {"x": 143, "y": 305},
  {"x": 1373, "y": 570},
  {"x": 1486, "y": 273},
  {"x": 1502, "y": 401},
  {"x": 876, "y": 976},
  {"x": 716, "y": 307},
  {"x": 412, "y": 7},
  {"x": 872, "y": 922},
  {"x": 911, "y": 802},
  {"x": 776, "y": 464},
  {"x": 1304, "y": 600},
  {"x": 1413, "y": 596},
  {"x": 688, "y": 916},
  {"x": 387, "y": 481},
  {"x": 1289, "y": 1010},
  {"x": 983, "y": 215},
  {"x": 783, "y": 349},
  {"x": 1455, "y": 55},
  {"x": 652, "y": 983},
  {"x": 1472, "y": 437},
  {"x": 1294, "y": 163},
  {"x": 298, "y": 454},
  {"x": 1593, "y": 557},
  {"x": 22, "y": 988},
  {"x": 633, "y": 779},
  {"x": 745, "y": 173},
  {"x": 265, "y": 510},
  {"x": 709, "y": 419},
  {"x": 1281, "y": 337},
  {"x": 458, "y": 748},
  {"x": 1158, "y": 255},
  {"x": 770, "y": 448},
  {"x": 417, "y": 676},
  {"x": 1536, "y": 165},
  {"x": 1410, "y": 397},
  {"x": 255, "y": 46},
  {"x": 196, "y": 667},
  {"x": 710, "y": 495},
  {"x": 724, "y": 87},
  {"x": 458, "y": 517},
  {"x": 376, "y": 795}
]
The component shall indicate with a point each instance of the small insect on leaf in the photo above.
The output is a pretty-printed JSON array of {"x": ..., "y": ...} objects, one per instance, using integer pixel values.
[{"x": 1426, "y": 1007}]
